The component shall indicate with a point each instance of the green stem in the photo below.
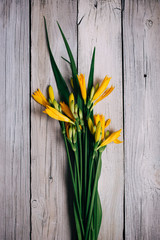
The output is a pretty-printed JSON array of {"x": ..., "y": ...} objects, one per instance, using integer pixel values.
[
  {"x": 72, "y": 176},
  {"x": 78, "y": 176},
  {"x": 85, "y": 168},
  {"x": 93, "y": 196},
  {"x": 89, "y": 183}
]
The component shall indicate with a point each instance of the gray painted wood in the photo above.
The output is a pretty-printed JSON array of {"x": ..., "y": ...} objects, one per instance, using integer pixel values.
[
  {"x": 100, "y": 26},
  {"x": 142, "y": 124},
  {"x": 50, "y": 216},
  {"x": 14, "y": 121}
]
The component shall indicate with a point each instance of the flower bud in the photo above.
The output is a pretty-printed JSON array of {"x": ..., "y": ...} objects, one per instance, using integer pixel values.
[
  {"x": 80, "y": 114},
  {"x": 51, "y": 93},
  {"x": 92, "y": 93},
  {"x": 70, "y": 132},
  {"x": 55, "y": 104},
  {"x": 72, "y": 106},
  {"x": 71, "y": 98},
  {"x": 74, "y": 135},
  {"x": 98, "y": 132},
  {"x": 90, "y": 124},
  {"x": 72, "y": 83},
  {"x": 76, "y": 108},
  {"x": 107, "y": 134},
  {"x": 96, "y": 87},
  {"x": 93, "y": 129}
]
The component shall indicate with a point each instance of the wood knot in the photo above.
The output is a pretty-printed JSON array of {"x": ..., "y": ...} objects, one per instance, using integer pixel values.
[{"x": 149, "y": 23}]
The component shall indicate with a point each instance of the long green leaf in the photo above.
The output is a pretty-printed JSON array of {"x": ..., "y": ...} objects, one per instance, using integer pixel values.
[
  {"x": 91, "y": 74},
  {"x": 61, "y": 85},
  {"x": 74, "y": 70}
]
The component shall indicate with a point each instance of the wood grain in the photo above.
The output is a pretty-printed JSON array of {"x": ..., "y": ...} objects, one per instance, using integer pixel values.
[
  {"x": 99, "y": 25},
  {"x": 142, "y": 114},
  {"x": 50, "y": 216},
  {"x": 14, "y": 121}
]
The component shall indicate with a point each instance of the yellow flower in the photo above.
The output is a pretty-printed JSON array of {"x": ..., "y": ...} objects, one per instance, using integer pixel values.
[
  {"x": 112, "y": 138},
  {"x": 40, "y": 98},
  {"x": 53, "y": 113},
  {"x": 82, "y": 84},
  {"x": 107, "y": 123},
  {"x": 105, "y": 94},
  {"x": 102, "y": 88},
  {"x": 51, "y": 93},
  {"x": 66, "y": 110}
]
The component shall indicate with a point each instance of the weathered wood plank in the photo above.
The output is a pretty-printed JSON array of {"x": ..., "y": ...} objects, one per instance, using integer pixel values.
[
  {"x": 142, "y": 114},
  {"x": 100, "y": 26},
  {"x": 50, "y": 217},
  {"x": 14, "y": 121}
]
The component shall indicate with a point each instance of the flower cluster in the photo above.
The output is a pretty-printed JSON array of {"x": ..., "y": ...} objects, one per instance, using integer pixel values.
[
  {"x": 85, "y": 138},
  {"x": 72, "y": 113}
]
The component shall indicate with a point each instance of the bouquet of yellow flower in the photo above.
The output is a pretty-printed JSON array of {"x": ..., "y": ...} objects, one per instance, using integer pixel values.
[{"x": 84, "y": 136}]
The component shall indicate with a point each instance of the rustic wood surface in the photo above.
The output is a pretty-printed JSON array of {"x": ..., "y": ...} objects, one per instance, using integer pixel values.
[
  {"x": 127, "y": 40},
  {"x": 141, "y": 116},
  {"x": 14, "y": 121}
]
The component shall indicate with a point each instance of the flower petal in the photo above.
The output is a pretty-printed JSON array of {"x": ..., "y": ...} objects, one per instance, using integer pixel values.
[
  {"x": 53, "y": 113},
  {"x": 82, "y": 84},
  {"x": 105, "y": 94},
  {"x": 102, "y": 87},
  {"x": 111, "y": 138},
  {"x": 67, "y": 110},
  {"x": 40, "y": 98}
]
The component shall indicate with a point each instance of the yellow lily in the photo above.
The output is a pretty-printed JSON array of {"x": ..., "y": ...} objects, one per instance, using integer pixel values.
[
  {"x": 53, "y": 113},
  {"x": 40, "y": 98},
  {"x": 112, "y": 138},
  {"x": 105, "y": 94},
  {"x": 67, "y": 110},
  {"x": 82, "y": 84},
  {"x": 102, "y": 88}
]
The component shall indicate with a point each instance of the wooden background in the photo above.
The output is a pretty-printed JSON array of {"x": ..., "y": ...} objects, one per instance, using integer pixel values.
[{"x": 33, "y": 165}]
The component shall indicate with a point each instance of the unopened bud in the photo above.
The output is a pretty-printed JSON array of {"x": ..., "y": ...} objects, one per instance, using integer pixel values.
[
  {"x": 72, "y": 83},
  {"x": 92, "y": 93},
  {"x": 74, "y": 135},
  {"x": 90, "y": 124},
  {"x": 76, "y": 108},
  {"x": 80, "y": 114},
  {"x": 71, "y": 98},
  {"x": 55, "y": 104},
  {"x": 107, "y": 134},
  {"x": 70, "y": 131},
  {"x": 98, "y": 132},
  {"x": 96, "y": 87},
  {"x": 93, "y": 129},
  {"x": 51, "y": 93},
  {"x": 72, "y": 106}
]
